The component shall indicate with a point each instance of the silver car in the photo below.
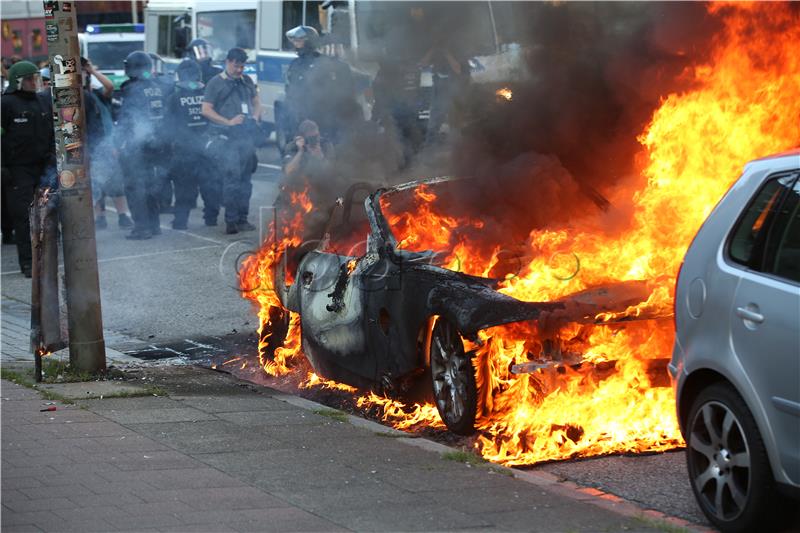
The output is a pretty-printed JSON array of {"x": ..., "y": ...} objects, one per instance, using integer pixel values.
[{"x": 736, "y": 361}]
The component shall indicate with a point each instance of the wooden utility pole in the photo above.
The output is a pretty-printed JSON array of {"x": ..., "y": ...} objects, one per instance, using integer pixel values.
[{"x": 86, "y": 344}]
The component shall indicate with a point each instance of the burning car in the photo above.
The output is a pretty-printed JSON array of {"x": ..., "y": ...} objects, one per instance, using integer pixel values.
[{"x": 390, "y": 318}]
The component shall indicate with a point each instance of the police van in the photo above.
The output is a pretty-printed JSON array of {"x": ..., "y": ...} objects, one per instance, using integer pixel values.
[{"x": 107, "y": 46}]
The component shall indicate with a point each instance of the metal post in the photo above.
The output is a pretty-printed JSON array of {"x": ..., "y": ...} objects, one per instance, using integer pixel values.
[
  {"x": 134, "y": 12},
  {"x": 86, "y": 344}
]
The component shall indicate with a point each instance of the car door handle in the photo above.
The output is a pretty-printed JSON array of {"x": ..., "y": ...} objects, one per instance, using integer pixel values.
[{"x": 747, "y": 314}]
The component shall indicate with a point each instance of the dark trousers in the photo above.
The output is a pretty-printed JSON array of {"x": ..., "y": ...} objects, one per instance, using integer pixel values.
[
  {"x": 143, "y": 183},
  {"x": 19, "y": 190},
  {"x": 236, "y": 167}
]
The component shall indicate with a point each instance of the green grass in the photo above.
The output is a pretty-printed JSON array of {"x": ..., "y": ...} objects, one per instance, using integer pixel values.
[
  {"x": 339, "y": 416},
  {"x": 463, "y": 456},
  {"x": 26, "y": 379}
]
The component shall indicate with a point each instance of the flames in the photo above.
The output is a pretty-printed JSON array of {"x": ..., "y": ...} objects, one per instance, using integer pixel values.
[{"x": 745, "y": 103}]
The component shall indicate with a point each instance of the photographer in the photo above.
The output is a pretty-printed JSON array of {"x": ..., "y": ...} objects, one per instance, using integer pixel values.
[
  {"x": 308, "y": 156},
  {"x": 232, "y": 105}
]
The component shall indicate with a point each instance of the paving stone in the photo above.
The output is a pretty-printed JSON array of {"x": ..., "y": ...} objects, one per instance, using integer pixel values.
[
  {"x": 271, "y": 418},
  {"x": 233, "y": 404},
  {"x": 283, "y": 520},
  {"x": 392, "y": 517},
  {"x": 149, "y": 416},
  {"x": 39, "y": 504}
]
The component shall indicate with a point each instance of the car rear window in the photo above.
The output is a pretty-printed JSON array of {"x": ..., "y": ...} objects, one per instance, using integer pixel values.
[
  {"x": 767, "y": 235},
  {"x": 783, "y": 247}
]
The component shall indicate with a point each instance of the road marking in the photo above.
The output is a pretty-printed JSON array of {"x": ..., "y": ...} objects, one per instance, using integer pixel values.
[
  {"x": 137, "y": 256},
  {"x": 268, "y": 165},
  {"x": 196, "y": 236}
]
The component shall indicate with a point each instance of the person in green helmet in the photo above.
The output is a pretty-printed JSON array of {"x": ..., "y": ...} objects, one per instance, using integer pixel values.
[{"x": 28, "y": 149}]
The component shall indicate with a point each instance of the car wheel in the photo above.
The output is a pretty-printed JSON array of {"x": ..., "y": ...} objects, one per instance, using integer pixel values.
[
  {"x": 727, "y": 462},
  {"x": 453, "y": 379}
]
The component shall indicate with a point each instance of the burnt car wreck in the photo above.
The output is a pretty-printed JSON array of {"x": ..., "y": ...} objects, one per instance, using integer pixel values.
[{"x": 391, "y": 319}]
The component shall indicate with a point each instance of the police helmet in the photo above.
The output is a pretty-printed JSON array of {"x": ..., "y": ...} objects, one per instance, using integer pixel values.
[
  {"x": 45, "y": 73},
  {"x": 138, "y": 64},
  {"x": 200, "y": 50},
  {"x": 188, "y": 70},
  {"x": 305, "y": 33},
  {"x": 18, "y": 71}
]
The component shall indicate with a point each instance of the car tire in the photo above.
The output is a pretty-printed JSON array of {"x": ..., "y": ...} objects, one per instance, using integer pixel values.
[
  {"x": 273, "y": 334},
  {"x": 452, "y": 378},
  {"x": 728, "y": 466}
]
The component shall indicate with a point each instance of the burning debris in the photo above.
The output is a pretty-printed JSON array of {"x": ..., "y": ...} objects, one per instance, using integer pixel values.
[{"x": 547, "y": 346}]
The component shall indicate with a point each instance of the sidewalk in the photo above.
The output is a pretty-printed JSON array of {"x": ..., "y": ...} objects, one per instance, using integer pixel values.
[
  {"x": 221, "y": 455},
  {"x": 15, "y": 317}
]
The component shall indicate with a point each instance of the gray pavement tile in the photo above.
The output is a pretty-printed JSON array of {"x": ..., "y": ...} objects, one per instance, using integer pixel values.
[
  {"x": 150, "y": 416},
  {"x": 159, "y": 508},
  {"x": 26, "y": 528},
  {"x": 86, "y": 479},
  {"x": 135, "y": 403},
  {"x": 30, "y": 470},
  {"x": 106, "y": 499},
  {"x": 392, "y": 517},
  {"x": 80, "y": 468},
  {"x": 288, "y": 479},
  {"x": 10, "y": 518},
  {"x": 199, "y": 528},
  {"x": 479, "y": 499},
  {"x": 42, "y": 504},
  {"x": 247, "y": 461},
  {"x": 61, "y": 416},
  {"x": 123, "y": 444},
  {"x": 271, "y": 418},
  {"x": 10, "y": 494},
  {"x": 162, "y": 460},
  {"x": 86, "y": 429},
  {"x": 283, "y": 520},
  {"x": 232, "y": 498},
  {"x": 330, "y": 435},
  {"x": 322, "y": 500},
  {"x": 207, "y": 436},
  {"x": 145, "y": 521},
  {"x": 174, "y": 479},
  {"x": 23, "y": 482},
  {"x": 38, "y": 493},
  {"x": 233, "y": 404},
  {"x": 420, "y": 480},
  {"x": 120, "y": 488}
]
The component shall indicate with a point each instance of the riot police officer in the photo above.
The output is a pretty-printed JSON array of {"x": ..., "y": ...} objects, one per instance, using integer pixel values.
[
  {"x": 27, "y": 149},
  {"x": 191, "y": 169},
  {"x": 201, "y": 52},
  {"x": 141, "y": 143},
  {"x": 318, "y": 87}
]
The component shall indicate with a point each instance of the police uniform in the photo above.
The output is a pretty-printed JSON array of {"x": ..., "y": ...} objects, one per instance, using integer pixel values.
[
  {"x": 190, "y": 166},
  {"x": 141, "y": 141},
  {"x": 320, "y": 88},
  {"x": 28, "y": 148},
  {"x": 233, "y": 146}
]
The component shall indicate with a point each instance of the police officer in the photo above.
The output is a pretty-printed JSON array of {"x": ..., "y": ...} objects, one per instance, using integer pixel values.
[
  {"x": 28, "y": 148},
  {"x": 318, "y": 87},
  {"x": 191, "y": 169},
  {"x": 232, "y": 105},
  {"x": 201, "y": 52},
  {"x": 141, "y": 141},
  {"x": 167, "y": 82}
]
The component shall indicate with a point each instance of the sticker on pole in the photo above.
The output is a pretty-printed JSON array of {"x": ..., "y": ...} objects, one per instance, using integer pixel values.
[
  {"x": 52, "y": 32},
  {"x": 66, "y": 7},
  {"x": 74, "y": 155},
  {"x": 50, "y": 7},
  {"x": 66, "y": 97},
  {"x": 66, "y": 179},
  {"x": 65, "y": 65}
]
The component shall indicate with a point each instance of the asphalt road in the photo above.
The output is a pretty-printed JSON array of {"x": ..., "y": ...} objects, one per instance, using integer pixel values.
[{"x": 176, "y": 295}]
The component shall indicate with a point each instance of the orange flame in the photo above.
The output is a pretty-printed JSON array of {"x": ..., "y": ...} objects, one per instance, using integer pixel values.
[{"x": 745, "y": 104}]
